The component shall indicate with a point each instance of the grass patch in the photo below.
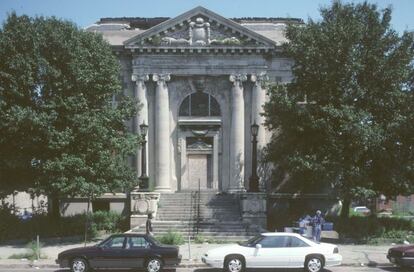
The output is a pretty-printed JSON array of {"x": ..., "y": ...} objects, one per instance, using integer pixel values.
[{"x": 32, "y": 251}]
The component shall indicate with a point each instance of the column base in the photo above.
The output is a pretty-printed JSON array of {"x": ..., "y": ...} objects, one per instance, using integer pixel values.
[
  {"x": 143, "y": 204},
  {"x": 254, "y": 209}
]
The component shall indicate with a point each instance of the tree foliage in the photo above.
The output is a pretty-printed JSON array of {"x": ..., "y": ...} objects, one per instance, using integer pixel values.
[
  {"x": 355, "y": 130},
  {"x": 60, "y": 132}
]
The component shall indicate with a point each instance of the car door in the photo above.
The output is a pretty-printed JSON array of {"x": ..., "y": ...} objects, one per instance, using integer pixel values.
[
  {"x": 270, "y": 252},
  {"x": 297, "y": 250},
  {"x": 110, "y": 254},
  {"x": 135, "y": 251}
]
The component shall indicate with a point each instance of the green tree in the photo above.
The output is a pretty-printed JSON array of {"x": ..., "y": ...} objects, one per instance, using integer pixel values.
[
  {"x": 60, "y": 131},
  {"x": 346, "y": 120}
]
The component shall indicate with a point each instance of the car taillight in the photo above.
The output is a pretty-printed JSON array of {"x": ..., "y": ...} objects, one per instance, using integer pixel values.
[{"x": 336, "y": 250}]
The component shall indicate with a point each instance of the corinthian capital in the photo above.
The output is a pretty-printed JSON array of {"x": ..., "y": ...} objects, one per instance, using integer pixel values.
[
  {"x": 138, "y": 78},
  {"x": 238, "y": 79},
  {"x": 259, "y": 79},
  {"x": 161, "y": 78}
]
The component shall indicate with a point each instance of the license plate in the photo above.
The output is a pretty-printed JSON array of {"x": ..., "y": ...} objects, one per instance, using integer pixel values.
[{"x": 392, "y": 259}]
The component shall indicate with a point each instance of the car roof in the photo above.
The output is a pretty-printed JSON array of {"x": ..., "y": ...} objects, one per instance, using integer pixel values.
[
  {"x": 129, "y": 234},
  {"x": 281, "y": 234}
]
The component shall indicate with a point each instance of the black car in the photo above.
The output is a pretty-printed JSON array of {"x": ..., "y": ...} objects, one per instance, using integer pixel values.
[
  {"x": 402, "y": 255},
  {"x": 127, "y": 250}
]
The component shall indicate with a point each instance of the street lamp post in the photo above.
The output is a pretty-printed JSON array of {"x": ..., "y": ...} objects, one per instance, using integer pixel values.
[
  {"x": 144, "y": 178},
  {"x": 254, "y": 179}
]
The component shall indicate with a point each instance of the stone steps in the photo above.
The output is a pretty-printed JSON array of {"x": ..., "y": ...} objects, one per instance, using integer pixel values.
[{"x": 219, "y": 216}]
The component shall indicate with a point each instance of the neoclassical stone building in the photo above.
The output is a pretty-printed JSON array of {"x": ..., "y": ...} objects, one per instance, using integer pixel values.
[{"x": 200, "y": 80}]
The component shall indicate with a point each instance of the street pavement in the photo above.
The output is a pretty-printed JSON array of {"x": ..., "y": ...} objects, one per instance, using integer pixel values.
[
  {"x": 334, "y": 269},
  {"x": 352, "y": 254},
  {"x": 355, "y": 258}
]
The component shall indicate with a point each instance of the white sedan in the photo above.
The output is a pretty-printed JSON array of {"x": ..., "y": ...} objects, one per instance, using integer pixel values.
[{"x": 274, "y": 250}]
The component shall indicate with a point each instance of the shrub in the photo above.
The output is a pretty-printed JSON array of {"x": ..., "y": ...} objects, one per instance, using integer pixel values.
[
  {"x": 171, "y": 238},
  {"x": 106, "y": 221},
  {"x": 363, "y": 229},
  {"x": 13, "y": 228},
  {"x": 199, "y": 239}
]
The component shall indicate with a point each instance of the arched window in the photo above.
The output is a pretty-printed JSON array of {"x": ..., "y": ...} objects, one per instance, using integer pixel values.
[{"x": 199, "y": 104}]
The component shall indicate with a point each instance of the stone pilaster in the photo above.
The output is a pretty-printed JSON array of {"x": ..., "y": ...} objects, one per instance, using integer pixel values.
[
  {"x": 140, "y": 93},
  {"x": 258, "y": 101},
  {"x": 162, "y": 133},
  {"x": 237, "y": 134}
]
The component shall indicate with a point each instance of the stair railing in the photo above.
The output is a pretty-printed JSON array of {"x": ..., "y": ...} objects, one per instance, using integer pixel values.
[
  {"x": 191, "y": 215},
  {"x": 198, "y": 207}
]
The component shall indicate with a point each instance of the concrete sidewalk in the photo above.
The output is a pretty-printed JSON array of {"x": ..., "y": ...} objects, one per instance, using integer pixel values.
[{"x": 353, "y": 255}]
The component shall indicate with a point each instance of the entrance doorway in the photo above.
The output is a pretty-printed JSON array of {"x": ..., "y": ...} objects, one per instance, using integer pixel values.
[
  {"x": 198, "y": 142},
  {"x": 199, "y": 171}
]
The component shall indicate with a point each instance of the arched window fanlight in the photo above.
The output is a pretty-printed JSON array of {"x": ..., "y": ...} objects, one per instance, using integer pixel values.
[{"x": 199, "y": 104}]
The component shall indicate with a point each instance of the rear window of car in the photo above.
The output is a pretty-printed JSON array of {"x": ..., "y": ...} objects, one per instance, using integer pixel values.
[{"x": 296, "y": 242}]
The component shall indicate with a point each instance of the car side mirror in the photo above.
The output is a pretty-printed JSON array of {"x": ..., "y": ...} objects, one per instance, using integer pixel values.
[{"x": 258, "y": 246}]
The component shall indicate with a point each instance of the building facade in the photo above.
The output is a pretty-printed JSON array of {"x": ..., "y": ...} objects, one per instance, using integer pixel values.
[{"x": 201, "y": 82}]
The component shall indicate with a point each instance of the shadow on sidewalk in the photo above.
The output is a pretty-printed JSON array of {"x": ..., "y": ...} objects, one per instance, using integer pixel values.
[
  {"x": 396, "y": 269},
  {"x": 256, "y": 270}
]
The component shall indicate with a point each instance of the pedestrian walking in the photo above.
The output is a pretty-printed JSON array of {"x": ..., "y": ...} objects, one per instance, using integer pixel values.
[
  {"x": 148, "y": 225},
  {"x": 317, "y": 222}
]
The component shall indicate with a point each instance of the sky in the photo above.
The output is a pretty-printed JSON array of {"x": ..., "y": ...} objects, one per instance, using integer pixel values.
[{"x": 87, "y": 12}]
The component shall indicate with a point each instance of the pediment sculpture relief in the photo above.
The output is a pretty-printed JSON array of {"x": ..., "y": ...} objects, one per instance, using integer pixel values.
[{"x": 199, "y": 33}]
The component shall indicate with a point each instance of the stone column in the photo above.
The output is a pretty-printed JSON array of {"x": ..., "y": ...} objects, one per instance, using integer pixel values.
[
  {"x": 140, "y": 93},
  {"x": 162, "y": 134},
  {"x": 258, "y": 101},
  {"x": 237, "y": 134}
]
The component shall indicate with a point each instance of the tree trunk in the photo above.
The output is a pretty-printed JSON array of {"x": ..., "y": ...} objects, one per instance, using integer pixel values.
[
  {"x": 54, "y": 211},
  {"x": 87, "y": 220},
  {"x": 345, "y": 207}
]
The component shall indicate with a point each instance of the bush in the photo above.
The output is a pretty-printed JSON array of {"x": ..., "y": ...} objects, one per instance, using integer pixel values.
[
  {"x": 171, "y": 238},
  {"x": 364, "y": 229},
  {"x": 109, "y": 222},
  {"x": 200, "y": 239},
  {"x": 13, "y": 228}
]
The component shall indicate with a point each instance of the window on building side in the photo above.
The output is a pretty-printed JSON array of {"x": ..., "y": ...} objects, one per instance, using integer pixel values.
[{"x": 199, "y": 104}]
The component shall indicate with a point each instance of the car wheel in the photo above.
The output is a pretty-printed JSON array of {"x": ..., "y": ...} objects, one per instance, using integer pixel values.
[
  {"x": 154, "y": 265},
  {"x": 79, "y": 265},
  {"x": 314, "y": 264},
  {"x": 234, "y": 264}
]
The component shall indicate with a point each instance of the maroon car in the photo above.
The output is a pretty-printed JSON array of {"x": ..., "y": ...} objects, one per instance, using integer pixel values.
[
  {"x": 126, "y": 250},
  {"x": 402, "y": 255}
]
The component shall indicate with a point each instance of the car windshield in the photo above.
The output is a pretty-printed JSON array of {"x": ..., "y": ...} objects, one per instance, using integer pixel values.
[
  {"x": 101, "y": 243},
  {"x": 251, "y": 242}
]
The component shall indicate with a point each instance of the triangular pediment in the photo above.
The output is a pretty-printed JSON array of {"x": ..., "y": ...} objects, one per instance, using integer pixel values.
[{"x": 199, "y": 27}]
